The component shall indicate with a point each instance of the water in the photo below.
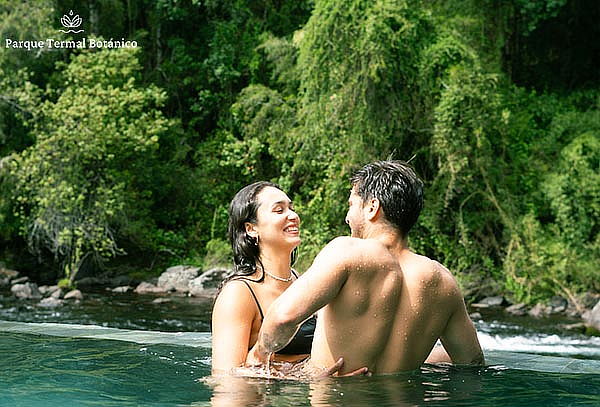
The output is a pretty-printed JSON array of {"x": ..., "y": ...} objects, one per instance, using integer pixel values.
[
  {"x": 114, "y": 358},
  {"x": 40, "y": 370},
  {"x": 127, "y": 311}
]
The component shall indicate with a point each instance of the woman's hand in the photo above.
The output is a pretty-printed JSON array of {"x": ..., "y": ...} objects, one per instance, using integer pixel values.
[
  {"x": 257, "y": 358},
  {"x": 335, "y": 368}
]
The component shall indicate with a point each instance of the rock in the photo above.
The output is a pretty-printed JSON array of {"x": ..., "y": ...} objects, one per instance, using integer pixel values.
[
  {"x": 517, "y": 309},
  {"x": 50, "y": 302},
  {"x": 52, "y": 289},
  {"x": 475, "y": 315},
  {"x": 48, "y": 290},
  {"x": 27, "y": 291},
  {"x": 160, "y": 300},
  {"x": 58, "y": 293},
  {"x": 572, "y": 311},
  {"x": 479, "y": 305},
  {"x": 122, "y": 289},
  {"x": 8, "y": 273},
  {"x": 19, "y": 280},
  {"x": 539, "y": 310},
  {"x": 208, "y": 282},
  {"x": 177, "y": 278},
  {"x": 148, "y": 288},
  {"x": 214, "y": 277},
  {"x": 195, "y": 287},
  {"x": 496, "y": 301},
  {"x": 558, "y": 304},
  {"x": 588, "y": 300},
  {"x": 74, "y": 295},
  {"x": 489, "y": 302},
  {"x": 592, "y": 318}
]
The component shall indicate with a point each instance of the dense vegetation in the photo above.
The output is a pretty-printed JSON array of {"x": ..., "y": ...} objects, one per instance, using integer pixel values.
[{"x": 124, "y": 160}]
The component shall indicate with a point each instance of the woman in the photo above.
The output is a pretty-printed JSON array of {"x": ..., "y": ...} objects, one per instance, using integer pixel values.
[{"x": 264, "y": 233}]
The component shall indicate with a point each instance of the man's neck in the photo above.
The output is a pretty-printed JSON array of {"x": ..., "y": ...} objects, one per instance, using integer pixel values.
[{"x": 388, "y": 236}]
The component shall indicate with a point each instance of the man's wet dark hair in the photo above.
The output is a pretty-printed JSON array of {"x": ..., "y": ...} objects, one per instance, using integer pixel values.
[{"x": 398, "y": 189}]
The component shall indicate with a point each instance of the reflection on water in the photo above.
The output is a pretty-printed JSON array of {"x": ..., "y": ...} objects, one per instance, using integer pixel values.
[
  {"x": 430, "y": 386},
  {"x": 40, "y": 370}
]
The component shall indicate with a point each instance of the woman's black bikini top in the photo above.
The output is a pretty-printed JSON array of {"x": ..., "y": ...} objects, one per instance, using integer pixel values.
[{"x": 301, "y": 343}]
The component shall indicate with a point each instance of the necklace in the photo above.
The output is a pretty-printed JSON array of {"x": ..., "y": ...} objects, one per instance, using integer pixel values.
[{"x": 285, "y": 280}]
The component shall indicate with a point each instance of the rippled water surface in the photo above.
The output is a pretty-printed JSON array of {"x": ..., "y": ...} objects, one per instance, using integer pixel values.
[
  {"x": 39, "y": 370},
  {"x": 127, "y": 311},
  {"x": 46, "y": 363}
]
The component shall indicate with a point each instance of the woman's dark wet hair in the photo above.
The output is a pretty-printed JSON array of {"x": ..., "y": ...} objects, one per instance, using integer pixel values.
[
  {"x": 246, "y": 251},
  {"x": 398, "y": 189}
]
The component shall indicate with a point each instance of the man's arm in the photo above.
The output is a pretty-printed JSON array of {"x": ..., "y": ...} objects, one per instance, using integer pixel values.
[
  {"x": 460, "y": 337},
  {"x": 312, "y": 291}
]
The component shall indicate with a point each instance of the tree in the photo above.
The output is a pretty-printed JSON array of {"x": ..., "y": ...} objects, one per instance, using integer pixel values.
[
  {"x": 76, "y": 184},
  {"x": 357, "y": 99}
]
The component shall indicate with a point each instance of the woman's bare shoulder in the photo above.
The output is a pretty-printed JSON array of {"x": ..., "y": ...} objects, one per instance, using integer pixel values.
[{"x": 235, "y": 296}]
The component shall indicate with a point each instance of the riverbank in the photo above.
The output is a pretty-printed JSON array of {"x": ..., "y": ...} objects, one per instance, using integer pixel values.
[{"x": 187, "y": 288}]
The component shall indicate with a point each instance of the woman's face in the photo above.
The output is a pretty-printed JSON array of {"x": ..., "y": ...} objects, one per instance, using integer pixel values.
[{"x": 277, "y": 224}]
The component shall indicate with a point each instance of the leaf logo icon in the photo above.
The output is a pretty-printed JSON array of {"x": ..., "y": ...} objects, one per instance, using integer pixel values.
[{"x": 71, "y": 21}]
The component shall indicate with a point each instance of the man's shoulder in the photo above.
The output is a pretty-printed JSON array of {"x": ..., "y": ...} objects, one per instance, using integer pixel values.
[
  {"x": 425, "y": 263},
  {"x": 347, "y": 251},
  {"x": 432, "y": 270}
]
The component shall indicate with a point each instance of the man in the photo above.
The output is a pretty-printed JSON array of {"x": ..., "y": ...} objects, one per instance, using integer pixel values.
[{"x": 381, "y": 305}]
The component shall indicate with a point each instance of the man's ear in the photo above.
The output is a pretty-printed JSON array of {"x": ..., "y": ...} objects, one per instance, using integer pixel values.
[
  {"x": 373, "y": 209},
  {"x": 251, "y": 229}
]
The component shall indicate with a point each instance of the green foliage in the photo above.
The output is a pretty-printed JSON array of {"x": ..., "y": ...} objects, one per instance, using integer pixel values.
[
  {"x": 355, "y": 101},
  {"x": 73, "y": 186},
  {"x": 26, "y": 20},
  {"x": 561, "y": 255},
  {"x": 140, "y": 151},
  {"x": 218, "y": 254},
  {"x": 65, "y": 283},
  {"x": 532, "y": 12},
  {"x": 573, "y": 189}
]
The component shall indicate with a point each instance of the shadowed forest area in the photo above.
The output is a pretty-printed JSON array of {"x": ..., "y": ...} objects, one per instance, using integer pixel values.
[{"x": 124, "y": 160}]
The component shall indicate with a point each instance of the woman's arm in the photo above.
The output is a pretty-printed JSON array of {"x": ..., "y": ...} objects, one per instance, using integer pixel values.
[{"x": 232, "y": 318}]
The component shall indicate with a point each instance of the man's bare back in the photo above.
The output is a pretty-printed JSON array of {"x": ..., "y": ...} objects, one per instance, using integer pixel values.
[
  {"x": 390, "y": 311},
  {"x": 380, "y": 305}
]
